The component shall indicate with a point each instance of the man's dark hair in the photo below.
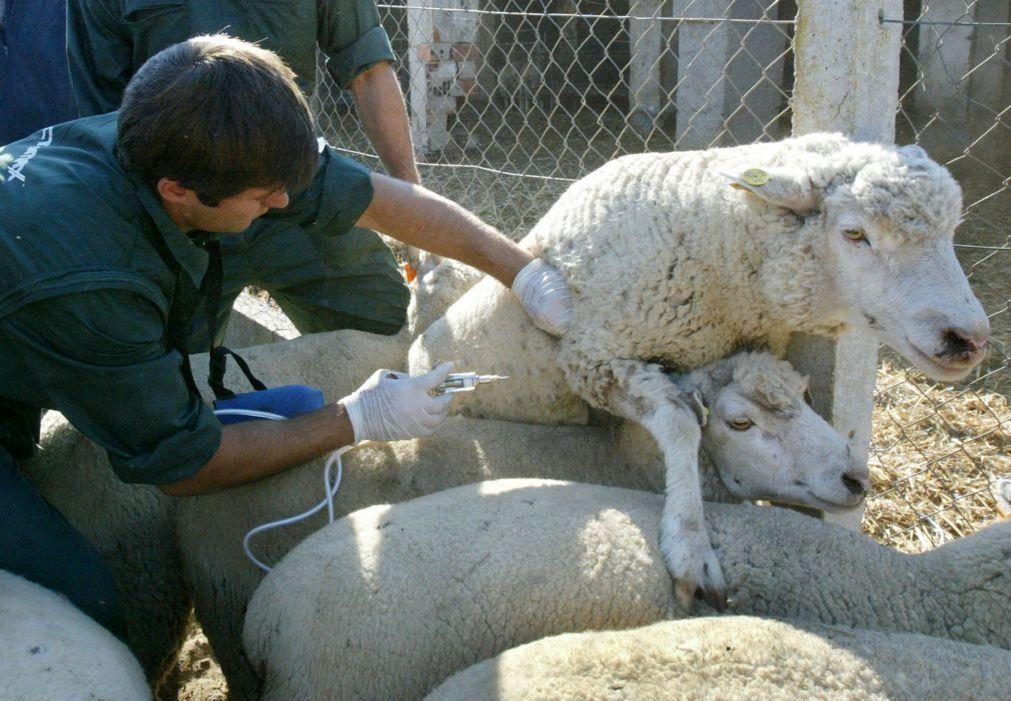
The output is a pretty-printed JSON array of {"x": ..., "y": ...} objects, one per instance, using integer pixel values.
[{"x": 218, "y": 115}]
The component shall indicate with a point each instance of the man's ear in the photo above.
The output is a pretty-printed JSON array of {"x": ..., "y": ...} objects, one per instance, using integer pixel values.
[
  {"x": 172, "y": 192},
  {"x": 783, "y": 187}
]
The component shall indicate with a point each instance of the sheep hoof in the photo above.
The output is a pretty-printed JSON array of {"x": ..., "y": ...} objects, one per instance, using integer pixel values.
[
  {"x": 685, "y": 592},
  {"x": 703, "y": 577},
  {"x": 717, "y": 598}
]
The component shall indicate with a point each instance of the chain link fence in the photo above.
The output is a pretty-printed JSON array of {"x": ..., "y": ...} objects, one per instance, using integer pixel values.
[
  {"x": 512, "y": 100},
  {"x": 937, "y": 450}
]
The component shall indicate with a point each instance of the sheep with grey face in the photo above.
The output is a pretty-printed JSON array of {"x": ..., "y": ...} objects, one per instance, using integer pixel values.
[
  {"x": 51, "y": 650},
  {"x": 763, "y": 440},
  {"x": 672, "y": 268},
  {"x": 735, "y": 657},
  {"x": 392, "y": 599}
]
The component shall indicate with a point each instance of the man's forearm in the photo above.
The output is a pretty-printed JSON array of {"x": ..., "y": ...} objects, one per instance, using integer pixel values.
[
  {"x": 381, "y": 108},
  {"x": 419, "y": 217},
  {"x": 254, "y": 450}
]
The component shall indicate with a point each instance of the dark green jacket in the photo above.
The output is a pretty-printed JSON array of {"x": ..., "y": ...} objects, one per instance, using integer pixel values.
[
  {"x": 108, "y": 40},
  {"x": 84, "y": 297}
]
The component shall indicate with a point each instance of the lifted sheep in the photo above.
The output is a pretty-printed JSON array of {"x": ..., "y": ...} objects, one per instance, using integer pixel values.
[
  {"x": 792, "y": 456},
  {"x": 672, "y": 268},
  {"x": 391, "y": 600}
]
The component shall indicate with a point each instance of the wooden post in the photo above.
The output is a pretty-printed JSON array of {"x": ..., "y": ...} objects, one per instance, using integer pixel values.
[{"x": 847, "y": 80}]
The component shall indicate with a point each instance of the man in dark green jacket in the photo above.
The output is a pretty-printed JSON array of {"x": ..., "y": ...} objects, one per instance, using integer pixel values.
[
  {"x": 108, "y": 40},
  {"x": 108, "y": 230}
]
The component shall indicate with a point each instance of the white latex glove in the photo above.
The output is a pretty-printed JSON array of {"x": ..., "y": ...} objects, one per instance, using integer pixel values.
[
  {"x": 545, "y": 295},
  {"x": 392, "y": 406}
]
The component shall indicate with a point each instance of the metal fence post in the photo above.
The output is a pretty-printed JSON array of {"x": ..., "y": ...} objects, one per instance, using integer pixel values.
[{"x": 847, "y": 80}]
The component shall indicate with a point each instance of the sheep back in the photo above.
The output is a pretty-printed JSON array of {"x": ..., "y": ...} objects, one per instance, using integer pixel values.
[
  {"x": 51, "y": 650},
  {"x": 211, "y": 527},
  {"x": 390, "y": 600},
  {"x": 735, "y": 657}
]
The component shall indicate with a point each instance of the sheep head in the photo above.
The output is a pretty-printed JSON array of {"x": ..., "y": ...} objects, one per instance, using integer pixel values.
[
  {"x": 881, "y": 221},
  {"x": 767, "y": 443}
]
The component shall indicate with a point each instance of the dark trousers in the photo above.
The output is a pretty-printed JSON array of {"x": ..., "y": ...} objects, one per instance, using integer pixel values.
[{"x": 39, "y": 544}]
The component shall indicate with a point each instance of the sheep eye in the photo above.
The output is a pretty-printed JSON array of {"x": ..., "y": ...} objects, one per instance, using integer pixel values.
[
  {"x": 740, "y": 424},
  {"x": 855, "y": 235}
]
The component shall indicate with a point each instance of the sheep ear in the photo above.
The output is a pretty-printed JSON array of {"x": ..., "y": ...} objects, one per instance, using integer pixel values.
[{"x": 782, "y": 187}]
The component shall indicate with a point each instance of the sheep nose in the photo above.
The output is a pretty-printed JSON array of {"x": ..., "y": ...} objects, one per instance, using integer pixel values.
[
  {"x": 965, "y": 343},
  {"x": 857, "y": 482}
]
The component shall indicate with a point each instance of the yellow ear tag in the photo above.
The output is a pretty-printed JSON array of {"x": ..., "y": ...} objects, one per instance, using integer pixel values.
[{"x": 755, "y": 177}]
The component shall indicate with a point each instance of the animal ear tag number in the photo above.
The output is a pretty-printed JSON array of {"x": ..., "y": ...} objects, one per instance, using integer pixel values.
[{"x": 755, "y": 177}]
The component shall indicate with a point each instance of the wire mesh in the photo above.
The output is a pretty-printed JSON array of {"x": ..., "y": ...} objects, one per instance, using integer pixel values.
[
  {"x": 938, "y": 450},
  {"x": 522, "y": 97},
  {"x": 541, "y": 92}
]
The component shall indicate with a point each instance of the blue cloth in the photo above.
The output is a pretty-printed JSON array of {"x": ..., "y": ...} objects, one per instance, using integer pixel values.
[
  {"x": 287, "y": 401},
  {"x": 34, "y": 77},
  {"x": 39, "y": 544}
]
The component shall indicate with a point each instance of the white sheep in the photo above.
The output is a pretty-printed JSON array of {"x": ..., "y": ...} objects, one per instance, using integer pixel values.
[
  {"x": 49, "y": 649},
  {"x": 1002, "y": 496},
  {"x": 791, "y": 456},
  {"x": 390, "y": 600},
  {"x": 672, "y": 268},
  {"x": 131, "y": 526},
  {"x": 735, "y": 657}
]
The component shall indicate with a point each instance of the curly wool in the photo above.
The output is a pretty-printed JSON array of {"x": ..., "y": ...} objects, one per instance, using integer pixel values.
[{"x": 391, "y": 600}]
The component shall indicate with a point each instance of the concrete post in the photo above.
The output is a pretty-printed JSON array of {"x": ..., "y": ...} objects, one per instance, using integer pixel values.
[
  {"x": 847, "y": 80},
  {"x": 703, "y": 48},
  {"x": 988, "y": 51},
  {"x": 728, "y": 73},
  {"x": 646, "y": 42},
  {"x": 944, "y": 57}
]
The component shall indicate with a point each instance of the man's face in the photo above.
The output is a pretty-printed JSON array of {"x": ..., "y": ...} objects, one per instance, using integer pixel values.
[
  {"x": 231, "y": 215},
  {"x": 234, "y": 214}
]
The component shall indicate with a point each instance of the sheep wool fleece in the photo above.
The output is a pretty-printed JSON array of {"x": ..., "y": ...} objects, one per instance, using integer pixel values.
[
  {"x": 735, "y": 657},
  {"x": 50, "y": 650},
  {"x": 392, "y": 599}
]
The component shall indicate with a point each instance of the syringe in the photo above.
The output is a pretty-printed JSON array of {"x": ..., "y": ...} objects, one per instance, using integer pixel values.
[{"x": 465, "y": 382}]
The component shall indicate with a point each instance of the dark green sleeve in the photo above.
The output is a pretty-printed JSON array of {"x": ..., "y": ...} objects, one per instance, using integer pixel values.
[
  {"x": 98, "y": 358},
  {"x": 338, "y": 195},
  {"x": 100, "y": 56},
  {"x": 351, "y": 37}
]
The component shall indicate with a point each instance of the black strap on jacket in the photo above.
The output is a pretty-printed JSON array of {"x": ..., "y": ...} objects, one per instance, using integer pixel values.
[{"x": 185, "y": 299}]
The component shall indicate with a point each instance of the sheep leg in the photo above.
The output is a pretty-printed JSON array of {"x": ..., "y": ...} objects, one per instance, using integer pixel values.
[{"x": 645, "y": 394}]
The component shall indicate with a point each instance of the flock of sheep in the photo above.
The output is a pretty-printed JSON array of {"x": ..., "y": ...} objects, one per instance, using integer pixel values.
[{"x": 523, "y": 551}]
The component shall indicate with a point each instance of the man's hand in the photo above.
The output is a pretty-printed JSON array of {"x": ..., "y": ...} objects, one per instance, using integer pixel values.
[
  {"x": 545, "y": 295},
  {"x": 393, "y": 406}
]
